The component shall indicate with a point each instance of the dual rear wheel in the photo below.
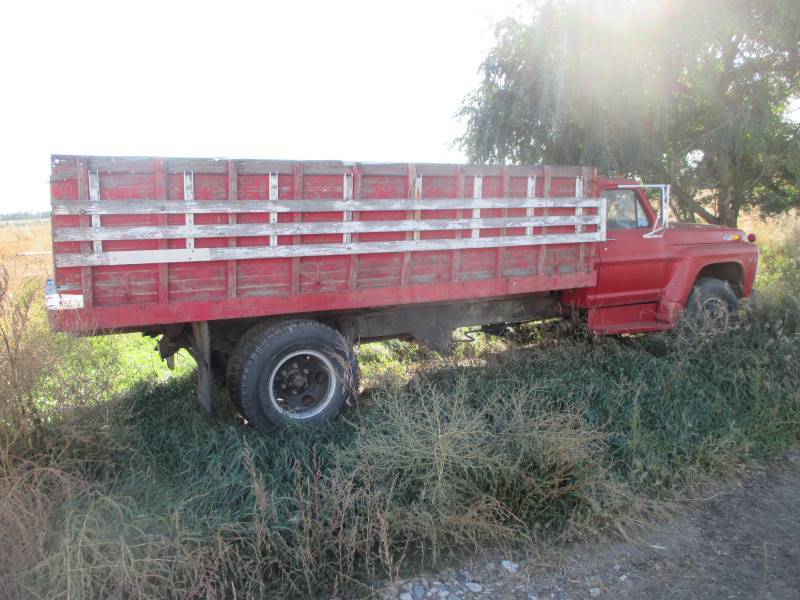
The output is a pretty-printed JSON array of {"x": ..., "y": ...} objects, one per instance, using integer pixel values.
[{"x": 294, "y": 371}]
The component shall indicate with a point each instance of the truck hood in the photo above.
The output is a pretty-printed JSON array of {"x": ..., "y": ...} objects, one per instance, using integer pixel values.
[{"x": 693, "y": 233}]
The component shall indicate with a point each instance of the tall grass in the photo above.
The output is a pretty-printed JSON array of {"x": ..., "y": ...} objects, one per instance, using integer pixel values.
[{"x": 114, "y": 484}]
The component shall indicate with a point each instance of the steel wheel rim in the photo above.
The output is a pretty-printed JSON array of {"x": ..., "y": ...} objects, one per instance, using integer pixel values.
[
  {"x": 715, "y": 314},
  {"x": 302, "y": 384}
]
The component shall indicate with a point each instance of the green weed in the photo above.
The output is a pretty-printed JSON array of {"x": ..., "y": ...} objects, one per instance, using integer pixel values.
[{"x": 113, "y": 484}]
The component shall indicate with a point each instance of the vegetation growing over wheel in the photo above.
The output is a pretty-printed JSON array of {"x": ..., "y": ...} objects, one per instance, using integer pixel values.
[
  {"x": 712, "y": 306},
  {"x": 298, "y": 370}
]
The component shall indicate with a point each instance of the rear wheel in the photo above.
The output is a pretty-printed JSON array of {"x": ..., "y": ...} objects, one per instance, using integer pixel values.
[
  {"x": 712, "y": 306},
  {"x": 296, "y": 371}
]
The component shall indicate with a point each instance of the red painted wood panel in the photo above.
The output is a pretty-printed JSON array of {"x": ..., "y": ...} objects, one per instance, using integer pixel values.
[{"x": 127, "y": 296}]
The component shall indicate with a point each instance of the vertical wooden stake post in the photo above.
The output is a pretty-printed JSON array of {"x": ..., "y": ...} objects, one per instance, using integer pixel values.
[{"x": 202, "y": 354}]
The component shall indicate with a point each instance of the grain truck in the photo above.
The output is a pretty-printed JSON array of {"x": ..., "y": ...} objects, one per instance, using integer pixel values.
[{"x": 270, "y": 272}]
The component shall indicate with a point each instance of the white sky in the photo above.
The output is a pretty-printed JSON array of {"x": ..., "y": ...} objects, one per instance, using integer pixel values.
[{"x": 346, "y": 79}]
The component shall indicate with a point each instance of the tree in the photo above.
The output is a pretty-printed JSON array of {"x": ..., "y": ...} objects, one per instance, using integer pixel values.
[{"x": 694, "y": 93}]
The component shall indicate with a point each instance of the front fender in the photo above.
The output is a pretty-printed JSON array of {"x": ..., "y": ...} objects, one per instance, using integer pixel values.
[{"x": 687, "y": 263}]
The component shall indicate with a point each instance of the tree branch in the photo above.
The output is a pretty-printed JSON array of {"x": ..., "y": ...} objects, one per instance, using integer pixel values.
[{"x": 694, "y": 205}]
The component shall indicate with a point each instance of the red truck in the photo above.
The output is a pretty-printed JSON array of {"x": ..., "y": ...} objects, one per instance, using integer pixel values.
[{"x": 269, "y": 272}]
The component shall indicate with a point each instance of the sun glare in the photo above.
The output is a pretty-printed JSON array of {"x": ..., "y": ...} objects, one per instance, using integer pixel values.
[{"x": 624, "y": 16}]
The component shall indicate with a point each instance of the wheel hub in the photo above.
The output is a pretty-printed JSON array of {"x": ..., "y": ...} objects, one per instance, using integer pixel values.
[
  {"x": 302, "y": 383},
  {"x": 715, "y": 313},
  {"x": 299, "y": 382}
]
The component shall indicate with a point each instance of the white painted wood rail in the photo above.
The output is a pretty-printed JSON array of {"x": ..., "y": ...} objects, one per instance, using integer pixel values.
[
  {"x": 477, "y": 192},
  {"x": 138, "y": 257},
  {"x": 188, "y": 195},
  {"x": 159, "y": 207},
  {"x": 94, "y": 198},
  {"x": 139, "y": 232},
  {"x": 345, "y": 227},
  {"x": 273, "y": 197}
]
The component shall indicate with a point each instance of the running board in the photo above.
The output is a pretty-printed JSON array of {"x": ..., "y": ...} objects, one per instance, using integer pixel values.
[
  {"x": 638, "y": 327},
  {"x": 629, "y": 318}
]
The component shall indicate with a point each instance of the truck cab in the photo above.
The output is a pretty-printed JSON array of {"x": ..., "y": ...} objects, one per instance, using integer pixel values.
[{"x": 651, "y": 270}]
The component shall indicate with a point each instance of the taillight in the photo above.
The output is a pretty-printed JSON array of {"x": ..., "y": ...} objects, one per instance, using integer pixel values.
[{"x": 751, "y": 237}]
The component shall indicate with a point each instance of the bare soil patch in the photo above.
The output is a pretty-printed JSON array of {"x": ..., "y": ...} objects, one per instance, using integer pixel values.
[{"x": 742, "y": 542}]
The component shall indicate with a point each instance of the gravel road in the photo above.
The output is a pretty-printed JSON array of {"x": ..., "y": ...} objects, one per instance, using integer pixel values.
[{"x": 744, "y": 542}]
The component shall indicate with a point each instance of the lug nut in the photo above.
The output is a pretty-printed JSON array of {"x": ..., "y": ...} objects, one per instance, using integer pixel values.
[{"x": 305, "y": 371}]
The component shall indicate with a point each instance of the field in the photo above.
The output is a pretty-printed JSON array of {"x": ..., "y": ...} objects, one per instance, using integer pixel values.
[{"x": 113, "y": 484}]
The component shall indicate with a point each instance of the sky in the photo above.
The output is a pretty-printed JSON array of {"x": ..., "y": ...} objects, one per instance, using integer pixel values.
[{"x": 346, "y": 79}]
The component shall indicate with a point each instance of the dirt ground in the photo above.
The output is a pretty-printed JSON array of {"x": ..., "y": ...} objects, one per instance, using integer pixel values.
[{"x": 743, "y": 542}]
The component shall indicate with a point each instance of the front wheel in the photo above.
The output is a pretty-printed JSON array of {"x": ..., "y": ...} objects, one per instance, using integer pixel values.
[
  {"x": 297, "y": 371},
  {"x": 712, "y": 306}
]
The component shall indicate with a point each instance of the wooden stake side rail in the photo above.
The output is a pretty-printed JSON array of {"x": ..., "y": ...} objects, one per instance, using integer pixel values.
[
  {"x": 143, "y": 257},
  {"x": 65, "y": 167},
  {"x": 139, "y": 232},
  {"x": 149, "y": 241},
  {"x": 160, "y": 207}
]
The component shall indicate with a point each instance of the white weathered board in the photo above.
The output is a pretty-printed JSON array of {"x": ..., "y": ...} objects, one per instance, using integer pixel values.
[
  {"x": 139, "y": 232},
  {"x": 160, "y": 207},
  {"x": 97, "y": 233},
  {"x": 137, "y": 257}
]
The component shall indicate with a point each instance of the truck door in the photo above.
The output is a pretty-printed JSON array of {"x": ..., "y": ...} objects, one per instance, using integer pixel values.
[{"x": 631, "y": 264}]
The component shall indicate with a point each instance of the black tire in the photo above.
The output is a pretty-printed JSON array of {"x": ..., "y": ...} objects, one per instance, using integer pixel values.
[
  {"x": 713, "y": 306},
  {"x": 241, "y": 351},
  {"x": 295, "y": 371}
]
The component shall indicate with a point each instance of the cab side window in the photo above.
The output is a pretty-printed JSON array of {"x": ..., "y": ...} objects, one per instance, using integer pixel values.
[{"x": 624, "y": 210}]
